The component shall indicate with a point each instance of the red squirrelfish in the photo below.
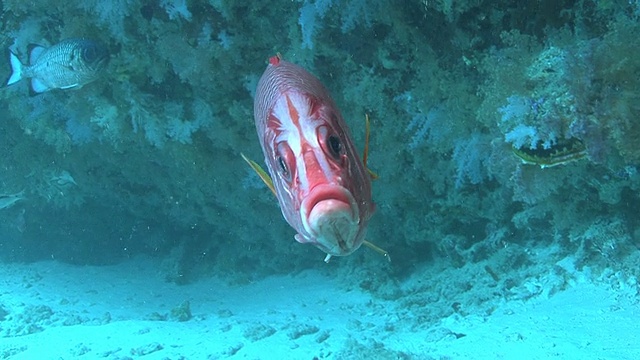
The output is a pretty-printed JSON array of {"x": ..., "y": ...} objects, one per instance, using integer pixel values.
[{"x": 322, "y": 185}]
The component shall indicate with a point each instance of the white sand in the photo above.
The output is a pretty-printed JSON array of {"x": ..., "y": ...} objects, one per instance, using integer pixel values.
[{"x": 59, "y": 311}]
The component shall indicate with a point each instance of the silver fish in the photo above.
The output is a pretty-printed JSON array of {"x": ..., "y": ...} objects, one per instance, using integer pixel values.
[
  {"x": 8, "y": 200},
  {"x": 68, "y": 64}
]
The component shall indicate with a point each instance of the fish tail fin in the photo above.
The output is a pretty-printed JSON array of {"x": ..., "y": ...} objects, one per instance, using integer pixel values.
[{"x": 16, "y": 69}]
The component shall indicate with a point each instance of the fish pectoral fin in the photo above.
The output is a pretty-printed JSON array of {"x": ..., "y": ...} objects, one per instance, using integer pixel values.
[
  {"x": 365, "y": 155},
  {"x": 261, "y": 173},
  {"x": 377, "y": 249},
  {"x": 372, "y": 174}
]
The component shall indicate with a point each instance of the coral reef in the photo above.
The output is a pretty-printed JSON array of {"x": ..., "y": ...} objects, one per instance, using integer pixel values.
[{"x": 489, "y": 126}]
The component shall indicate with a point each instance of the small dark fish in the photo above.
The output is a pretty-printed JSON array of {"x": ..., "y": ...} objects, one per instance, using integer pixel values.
[{"x": 71, "y": 63}]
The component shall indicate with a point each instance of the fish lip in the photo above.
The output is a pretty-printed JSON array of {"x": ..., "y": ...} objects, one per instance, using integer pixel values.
[{"x": 331, "y": 207}]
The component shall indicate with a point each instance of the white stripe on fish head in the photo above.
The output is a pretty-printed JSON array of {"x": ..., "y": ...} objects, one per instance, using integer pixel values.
[{"x": 298, "y": 128}]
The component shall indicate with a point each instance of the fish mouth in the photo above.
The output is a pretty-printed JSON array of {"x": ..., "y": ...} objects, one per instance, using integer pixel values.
[{"x": 331, "y": 218}]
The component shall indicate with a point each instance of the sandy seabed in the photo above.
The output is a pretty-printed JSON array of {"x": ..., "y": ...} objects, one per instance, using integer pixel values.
[{"x": 50, "y": 310}]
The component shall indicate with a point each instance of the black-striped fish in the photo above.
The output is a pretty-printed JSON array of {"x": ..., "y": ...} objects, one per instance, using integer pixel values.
[{"x": 69, "y": 64}]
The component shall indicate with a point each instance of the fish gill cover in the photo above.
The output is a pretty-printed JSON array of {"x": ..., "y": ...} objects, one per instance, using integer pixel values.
[{"x": 146, "y": 159}]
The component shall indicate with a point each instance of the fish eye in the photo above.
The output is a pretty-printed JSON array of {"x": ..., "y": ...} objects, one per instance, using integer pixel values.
[
  {"x": 284, "y": 161},
  {"x": 330, "y": 142},
  {"x": 90, "y": 54},
  {"x": 335, "y": 145},
  {"x": 283, "y": 166}
]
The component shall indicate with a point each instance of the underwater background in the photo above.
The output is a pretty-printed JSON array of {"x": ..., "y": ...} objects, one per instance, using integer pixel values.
[{"x": 506, "y": 138}]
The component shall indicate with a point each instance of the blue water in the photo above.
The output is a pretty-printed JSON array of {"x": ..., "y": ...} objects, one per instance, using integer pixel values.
[{"x": 505, "y": 139}]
